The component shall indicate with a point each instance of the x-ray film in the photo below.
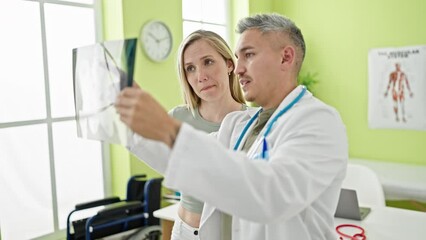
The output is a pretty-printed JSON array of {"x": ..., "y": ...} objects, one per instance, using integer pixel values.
[{"x": 100, "y": 72}]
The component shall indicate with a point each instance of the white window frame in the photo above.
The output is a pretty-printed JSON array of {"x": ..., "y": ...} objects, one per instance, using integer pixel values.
[
  {"x": 49, "y": 120},
  {"x": 226, "y": 25}
]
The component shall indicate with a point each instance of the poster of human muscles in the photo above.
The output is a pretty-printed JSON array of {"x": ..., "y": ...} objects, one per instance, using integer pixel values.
[
  {"x": 397, "y": 88},
  {"x": 101, "y": 71}
]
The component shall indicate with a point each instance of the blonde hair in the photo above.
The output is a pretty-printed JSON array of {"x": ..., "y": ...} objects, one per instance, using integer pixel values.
[{"x": 219, "y": 44}]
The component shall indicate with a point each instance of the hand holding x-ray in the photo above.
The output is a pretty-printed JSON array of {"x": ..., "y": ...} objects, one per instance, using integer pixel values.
[{"x": 143, "y": 114}]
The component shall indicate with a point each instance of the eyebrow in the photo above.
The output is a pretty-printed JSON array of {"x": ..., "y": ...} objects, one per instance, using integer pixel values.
[{"x": 202, "y": 58}]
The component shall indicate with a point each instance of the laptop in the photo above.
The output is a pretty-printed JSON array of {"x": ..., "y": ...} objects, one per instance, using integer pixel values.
[{"x": 348, "y": 207}]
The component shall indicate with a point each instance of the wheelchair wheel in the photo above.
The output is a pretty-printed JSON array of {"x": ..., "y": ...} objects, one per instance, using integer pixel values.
[{"x": 147, "y": 233}]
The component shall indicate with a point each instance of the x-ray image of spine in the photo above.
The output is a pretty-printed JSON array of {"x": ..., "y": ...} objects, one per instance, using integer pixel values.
[
  {"x": 101, "y": 71},
  {"x": 398, "y": 82},
  {"x": 98, "y": 96}
]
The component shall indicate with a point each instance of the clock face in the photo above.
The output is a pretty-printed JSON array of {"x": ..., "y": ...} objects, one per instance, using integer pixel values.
[{"x": 156, "y": 40}]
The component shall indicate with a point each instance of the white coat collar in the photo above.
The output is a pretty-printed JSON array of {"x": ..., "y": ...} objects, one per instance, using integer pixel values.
[
  {"x": 240, "y": 126},
  {"x": 289, "y": 98}
]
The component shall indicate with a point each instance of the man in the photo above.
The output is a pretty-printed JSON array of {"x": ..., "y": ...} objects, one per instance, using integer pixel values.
[
  {"x": 276, "y": 171},
  {"x": 398, "y": 81}
]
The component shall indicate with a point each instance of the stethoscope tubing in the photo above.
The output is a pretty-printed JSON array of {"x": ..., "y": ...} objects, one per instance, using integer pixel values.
[
  {"x": 269, "y": 126},
  {"x": 358, "y": 236}
]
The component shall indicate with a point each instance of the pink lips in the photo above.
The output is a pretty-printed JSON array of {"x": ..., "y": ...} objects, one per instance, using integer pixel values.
[
  {"x": 244, "y": 82},
  {"x": 206, "y": 88}
]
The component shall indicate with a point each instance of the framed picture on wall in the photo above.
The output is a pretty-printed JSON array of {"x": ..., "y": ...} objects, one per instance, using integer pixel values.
[{"x": 397, "y": 88}]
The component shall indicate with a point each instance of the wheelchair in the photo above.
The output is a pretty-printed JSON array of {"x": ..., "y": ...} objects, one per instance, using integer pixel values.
[{"x": 133, "y": 215}]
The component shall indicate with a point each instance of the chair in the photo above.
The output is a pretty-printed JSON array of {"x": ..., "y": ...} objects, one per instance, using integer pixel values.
[
  {"x": 367, "y": 185},
  {"x": 116, "y": 215}
]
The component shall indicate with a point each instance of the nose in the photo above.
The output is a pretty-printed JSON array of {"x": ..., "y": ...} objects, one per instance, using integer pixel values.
[
  {"x": 239, "y": 68},
  {"x": 202, "y": 75}
]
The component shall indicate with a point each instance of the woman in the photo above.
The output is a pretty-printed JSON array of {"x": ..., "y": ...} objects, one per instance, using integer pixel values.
[{"x": 211, "y": 90}]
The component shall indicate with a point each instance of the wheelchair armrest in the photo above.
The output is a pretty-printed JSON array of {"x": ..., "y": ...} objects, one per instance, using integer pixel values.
[
  {"x": 97, "y": 203},
  {"x": 119, "y": 207},
  {"x": 139, "y": 176}
]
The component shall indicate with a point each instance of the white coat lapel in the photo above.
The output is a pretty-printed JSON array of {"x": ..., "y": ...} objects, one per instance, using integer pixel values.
[
  {"x": 239, "y": 127},
  {"x": 207, "y": 212}
]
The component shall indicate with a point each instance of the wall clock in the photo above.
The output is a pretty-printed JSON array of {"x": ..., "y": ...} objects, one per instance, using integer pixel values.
[{"x": 156, "y": 40}]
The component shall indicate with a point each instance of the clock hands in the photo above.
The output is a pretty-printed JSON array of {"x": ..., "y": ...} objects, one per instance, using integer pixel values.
[
  {"x": 156, "y": 39},
  {"x": 162, "y": 39}
]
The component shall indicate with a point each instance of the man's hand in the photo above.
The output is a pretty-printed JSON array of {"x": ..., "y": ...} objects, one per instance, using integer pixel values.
[{"x": 145, "y": 116}]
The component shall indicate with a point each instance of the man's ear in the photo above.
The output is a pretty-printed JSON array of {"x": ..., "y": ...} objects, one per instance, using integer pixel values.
[{"x": 288, "y": 55}]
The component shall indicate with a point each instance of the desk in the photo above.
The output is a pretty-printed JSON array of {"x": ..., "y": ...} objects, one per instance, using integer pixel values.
[
  {"x": 384, "y": 223},
  {"x": 389, "y": 223},
  {"x": 400, "y": 181},
  {"x": 167, "y": 216}
]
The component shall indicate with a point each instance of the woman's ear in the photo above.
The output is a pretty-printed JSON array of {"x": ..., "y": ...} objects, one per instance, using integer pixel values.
[{"x": 230, "y": 65}]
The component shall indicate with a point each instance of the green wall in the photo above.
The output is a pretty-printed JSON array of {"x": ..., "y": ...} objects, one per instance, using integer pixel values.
[
  {"x": 239, "y": 9},
  {"x": 338, "y": 34},
  {"x": 160, "y": 79}
]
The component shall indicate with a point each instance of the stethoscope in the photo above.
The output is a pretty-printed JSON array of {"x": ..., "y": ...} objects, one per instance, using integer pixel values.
[
  {"x": 358, "y": 236},
  {"x": 264, "y": 154}
]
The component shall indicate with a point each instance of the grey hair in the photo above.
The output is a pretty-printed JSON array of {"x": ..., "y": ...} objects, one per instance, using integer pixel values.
[{"x": 273, "y": 22}]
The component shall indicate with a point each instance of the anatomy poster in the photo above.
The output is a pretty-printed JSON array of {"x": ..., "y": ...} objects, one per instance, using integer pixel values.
[
  {"x": 101, "y": 71},
  {"x": 397, "y": 88}
]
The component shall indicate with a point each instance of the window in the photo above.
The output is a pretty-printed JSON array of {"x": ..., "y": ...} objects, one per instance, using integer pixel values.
[
  {"x": 45, "y": 169},
  {"x": 206, "y": 14}
]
